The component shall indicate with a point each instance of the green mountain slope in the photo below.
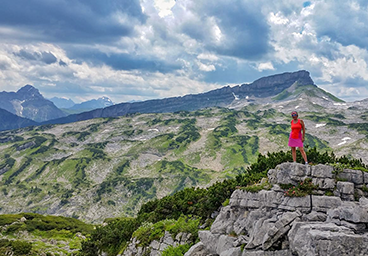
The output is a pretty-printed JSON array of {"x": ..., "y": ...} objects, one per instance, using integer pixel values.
[{"x": 104, "y": 168}]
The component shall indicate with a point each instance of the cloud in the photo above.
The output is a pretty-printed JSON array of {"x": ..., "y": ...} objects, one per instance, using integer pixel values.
[
  {"x": 45, "y": 57},
  {"x": 229, "y": 28},
  {"x": 144, "y": 49},
  {"x": 74, "y": 21},
  {"x": 345, "y": 22},
  {"x": 265, "y": 66}
]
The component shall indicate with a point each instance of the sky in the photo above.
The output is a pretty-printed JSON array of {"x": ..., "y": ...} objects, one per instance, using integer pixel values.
[{"x": 132, "y": 50}]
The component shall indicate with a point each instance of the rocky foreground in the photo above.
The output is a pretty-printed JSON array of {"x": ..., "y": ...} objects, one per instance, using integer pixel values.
[{"x": 271, "y": 223}]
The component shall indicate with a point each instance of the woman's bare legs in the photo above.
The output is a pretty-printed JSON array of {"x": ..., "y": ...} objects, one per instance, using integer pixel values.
[
  {"x": 293, "y": 153},
  {"x": 304, "y": 155}
]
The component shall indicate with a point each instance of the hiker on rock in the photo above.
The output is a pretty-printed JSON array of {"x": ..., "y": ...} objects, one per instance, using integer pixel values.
[{"x": 296, "y": 138}]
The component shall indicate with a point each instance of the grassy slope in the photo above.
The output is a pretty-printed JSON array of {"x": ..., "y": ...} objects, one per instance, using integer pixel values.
[{"x": 108, "y": 167}]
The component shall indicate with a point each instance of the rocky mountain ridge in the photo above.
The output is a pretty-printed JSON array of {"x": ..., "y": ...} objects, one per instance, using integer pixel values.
[
  {"x": 27, "y": 102},
  {"x": 262, "y": 88}
]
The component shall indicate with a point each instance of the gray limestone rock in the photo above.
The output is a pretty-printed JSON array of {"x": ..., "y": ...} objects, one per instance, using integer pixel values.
[
  {"x": 232, "y": 252},
  {"x": 315, "y": 216},
  {"x": 349, "y": 211},
  {"x": 324, "y": 203},
  {"x": 324, "y": 183},
  {"x": 309, "y": 239},
  {"x": 288, "y": 173},
  {"x": 267, "y": 253},
  {"x": 225, "y": 243},
  {"x": 322, "y": 171},
  {"x": 281, "y": 227},
  {"x": 354, "y": 176},
  {"x": 226, "y": 218},
  {"x": 209, "y": 240},
  {"x": 197, "y": 250},
  {"x": 345, "y": 187},
  {"x": 302, "y": 204}
]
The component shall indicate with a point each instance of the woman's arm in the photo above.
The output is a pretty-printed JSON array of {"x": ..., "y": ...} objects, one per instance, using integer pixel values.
[{"x": 303, "y": 127}]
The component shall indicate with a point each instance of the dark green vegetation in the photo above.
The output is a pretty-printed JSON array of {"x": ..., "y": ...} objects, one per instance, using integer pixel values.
[{"x": 54, "y": 234}]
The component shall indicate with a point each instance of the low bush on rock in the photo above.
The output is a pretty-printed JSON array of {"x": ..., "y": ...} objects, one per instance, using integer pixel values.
[{"x": 304, "y": 188}]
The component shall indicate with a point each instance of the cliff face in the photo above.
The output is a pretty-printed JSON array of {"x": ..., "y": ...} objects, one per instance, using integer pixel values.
[
  {"x": 261, "y": 88},
  {"x": 270, "y": 222}
]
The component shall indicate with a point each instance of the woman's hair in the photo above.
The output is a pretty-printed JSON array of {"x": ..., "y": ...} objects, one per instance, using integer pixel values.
[{"x": 294, "y": 112}]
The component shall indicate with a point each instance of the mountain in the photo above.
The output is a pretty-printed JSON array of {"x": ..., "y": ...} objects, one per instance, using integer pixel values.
[
  {"x": 9, "y": 121},
  {"x": 27, "y": 102},
  {"x": 102, "y": 102},
  {"x": 258, "y": 91},
  {"x": 62, "y": 102},
  {"x": 68, "y": 106}
]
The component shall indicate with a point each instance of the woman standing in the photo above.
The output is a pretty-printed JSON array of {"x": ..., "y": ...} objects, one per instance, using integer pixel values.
[{"x": 296, "y": 138}]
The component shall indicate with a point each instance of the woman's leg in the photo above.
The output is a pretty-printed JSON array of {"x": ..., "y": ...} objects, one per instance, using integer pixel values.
[
  {"x": 293, "y": 153},
  {"x": 304, "y": 155}
]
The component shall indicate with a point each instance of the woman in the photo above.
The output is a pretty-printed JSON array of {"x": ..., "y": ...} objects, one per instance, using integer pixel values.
[{"x": 296, "y": 138}]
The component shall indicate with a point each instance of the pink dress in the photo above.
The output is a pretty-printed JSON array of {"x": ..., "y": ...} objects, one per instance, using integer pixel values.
[{"x": 295, "y": 139}]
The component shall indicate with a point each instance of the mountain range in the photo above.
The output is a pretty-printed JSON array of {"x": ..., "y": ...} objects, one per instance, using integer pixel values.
[
  {"x": 29, "y": 103},
  {"x": 68, "y": 106}
]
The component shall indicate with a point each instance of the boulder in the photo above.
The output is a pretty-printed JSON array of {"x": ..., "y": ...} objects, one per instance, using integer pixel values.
[
  {"x": 197, "y": 250},
  {"x": 307, "y": 239},
  {"x": 354, "y": 176}
]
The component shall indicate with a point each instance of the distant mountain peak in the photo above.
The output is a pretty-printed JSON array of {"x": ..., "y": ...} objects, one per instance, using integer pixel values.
[{"x": 29, "y": 91}]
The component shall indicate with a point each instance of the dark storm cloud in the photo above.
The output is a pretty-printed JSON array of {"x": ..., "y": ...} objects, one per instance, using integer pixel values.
[
  {"x": 244, "y": 28},
  {"x": 122, "y": 61},
  {"x": 346, "y": 23},
  {"x": 84, "y": 21},
  {"x": 45, "y": 57}
]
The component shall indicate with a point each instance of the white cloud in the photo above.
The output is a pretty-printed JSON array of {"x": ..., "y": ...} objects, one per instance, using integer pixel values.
[
  {"x": 265, "y": 66},
  {"x": 206, "y": 68},
  {"x": 207, "y": 56}
]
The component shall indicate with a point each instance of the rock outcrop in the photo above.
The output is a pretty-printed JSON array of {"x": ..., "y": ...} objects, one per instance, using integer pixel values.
[{"x": 330, "y": 221}]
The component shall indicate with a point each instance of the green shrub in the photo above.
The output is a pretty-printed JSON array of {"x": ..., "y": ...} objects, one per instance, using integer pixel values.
[
  {"x": 21, "y": 247},
  {"x": 176, "y": 251},
  {"x": 111, "y": 238},
  {"x": 304, "y": 188},
  {"x": 226, "y": 202}
]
